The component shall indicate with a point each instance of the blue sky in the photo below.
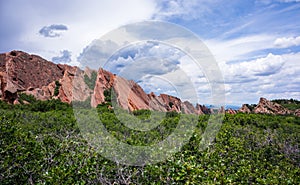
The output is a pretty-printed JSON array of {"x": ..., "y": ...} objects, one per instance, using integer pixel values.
[{"x": 256, "y": 43}]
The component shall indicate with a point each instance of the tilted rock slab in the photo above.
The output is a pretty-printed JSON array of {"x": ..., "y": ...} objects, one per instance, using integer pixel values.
[{"x": 21, "y": 72}]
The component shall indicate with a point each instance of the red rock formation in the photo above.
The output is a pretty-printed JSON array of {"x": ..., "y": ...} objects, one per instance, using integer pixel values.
[
  {"x": 157, "y": 103},
  {"x": 231, "y": 111},
  {"x": 297, "y": 112},
  {"x": 188, "y": 108},
  {"x": 172, "y": 103},
  {"x": 130, "y": 96},
  {"x": 19, "y": 71},
  {"x": 105, "y": 80},
  {"x": 31, "y": 74},
  {"x": 244, "y": 109},
  {"x": 203, "y": 109},
  {"x": 267, "y": 107},
  {"x": 24, "y": 73},
  {"x": 73, "y": 87}
]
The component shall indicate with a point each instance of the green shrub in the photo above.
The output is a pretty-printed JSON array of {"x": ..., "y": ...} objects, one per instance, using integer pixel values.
[
  {"x": 172, "y": 114},
  {"x": 143, "y": 113},
  {"x": 290, "y": 104},
  {"x": 107, "y": 94},
  {"x": 57, "y": 86},
  {"x": 90, "y": 82},
  {"x": 26, "y": 97},
  {"x": 82, "y": 104}
]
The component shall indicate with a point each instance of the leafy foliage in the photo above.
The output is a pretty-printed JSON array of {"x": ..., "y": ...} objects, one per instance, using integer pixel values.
[
  {"x": 142, "y": 114},
  {"x": 290, "y": 104},
  {"x": 36, "y": 105},
  {"x": 41, "y": 143},
  {"x": 82, "y": 104},
  {"x": 172, "y": 114},
  {"x": 90, "y": 82},
  {"x": 26, "y": 97},
  {"x": 57, "y": 86}
]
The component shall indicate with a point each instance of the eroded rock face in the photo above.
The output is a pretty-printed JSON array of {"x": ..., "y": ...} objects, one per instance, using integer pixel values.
[
  {"x": 203, "y": 109},
  {"x": 244, "y": 109},
  {"x": 130, "y": 96},
  {"x": 267, "y": 107},
  {"x": 188, "y": 108},
  {"x": 297, "y": 112},
  {"x": 231, "y": 111},
  {"x": 19, "y": 71},
  {"x": 73, "y": 87},
  {"x": 105, "y": 80},
  {"x": 24, "y": 73},
  {"x": 172, "y": 103},
  {"x": 157, "y": 103}
]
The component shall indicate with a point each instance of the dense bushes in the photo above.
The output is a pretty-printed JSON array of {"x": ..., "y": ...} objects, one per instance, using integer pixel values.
[
  {"x": 27, "y": 98},
  {"x": 290, "y": 104},
  {"x": 42, "y": 146},
  {"x": 36, "y": 105}
]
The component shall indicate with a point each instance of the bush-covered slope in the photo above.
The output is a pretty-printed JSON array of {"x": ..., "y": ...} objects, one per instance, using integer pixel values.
[
  {"x": 41, "y": 143},
  {"x": 290, "y": 104}
]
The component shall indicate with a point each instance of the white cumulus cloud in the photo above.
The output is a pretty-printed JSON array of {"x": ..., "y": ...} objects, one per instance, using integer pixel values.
[
  {"x": 286, "y": 42},
  {"x": 272, "y": 77}
]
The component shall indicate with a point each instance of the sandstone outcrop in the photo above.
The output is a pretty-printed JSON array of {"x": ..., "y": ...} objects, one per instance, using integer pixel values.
[
  {"x": 297, "y": 112},
  {"x": 244, "y": 109},
  {"x": 267, "y": 107},
  {"x": 231, "y": 111},
  {"x": 130, "y": 96},
  {"x": 24, "y": 73},
  {"x": 203, "y": 109}
]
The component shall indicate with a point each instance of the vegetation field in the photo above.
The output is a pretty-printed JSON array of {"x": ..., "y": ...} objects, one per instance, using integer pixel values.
[{"x": 41, "y": 143}]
